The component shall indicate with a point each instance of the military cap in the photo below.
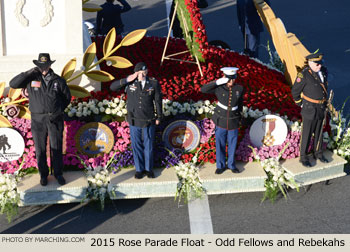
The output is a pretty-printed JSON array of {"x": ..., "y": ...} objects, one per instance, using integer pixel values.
[
  {"x": 230, "y": 72},
  {"x": 315, "y": 57},
  {"x": 141, "y": 66}
]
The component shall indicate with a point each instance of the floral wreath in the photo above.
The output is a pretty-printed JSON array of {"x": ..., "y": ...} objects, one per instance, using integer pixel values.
[{"x": 197, "y": 40}]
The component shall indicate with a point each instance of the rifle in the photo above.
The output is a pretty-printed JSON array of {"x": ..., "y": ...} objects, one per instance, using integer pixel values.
[{"x": 329, "y": 107}]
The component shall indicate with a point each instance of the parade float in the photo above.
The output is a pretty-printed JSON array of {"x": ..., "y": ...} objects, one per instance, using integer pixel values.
[{"x": 97, "y": 136}]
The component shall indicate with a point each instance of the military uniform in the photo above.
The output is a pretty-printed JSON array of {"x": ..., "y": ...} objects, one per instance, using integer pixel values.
[
  {"x": 48, "y": 97},
  {"x": 310, "y": 92},
  {"x": 226, "y": 117},
  {"x": 141, "y": 118},
  {"x": 110, "y": 17},
  {"x": 250, "y": 25}
]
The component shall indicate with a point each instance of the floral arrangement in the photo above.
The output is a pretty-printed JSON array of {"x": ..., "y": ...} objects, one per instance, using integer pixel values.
[
  {"x": 245, "y": 154},
  {"x": 99, "y": 181},
  {"x": 339, "y": 139},
  {"x": 278, "y": 179},
  {"x": 190, "y": 17},
  {"x": 9, "y": 197},
  {"x": 114, "y": 107},
  {"x": 190, "y": 185}
]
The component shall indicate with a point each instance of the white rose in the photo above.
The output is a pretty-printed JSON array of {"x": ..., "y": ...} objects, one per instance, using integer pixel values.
[
  {"x": 105, "y": 102},
  {"x": 166, "y": 113},
  {"x": 108, "y": 111},
  {"x": 102, "y": 190},
  {"x": 116, "y": 100},
  {"x": 102, "y": 109},
  {"x": 124, "y": 111},
  {"x": 206, "y": 109},
  {"x": 78, "y": 114},
  {"x": 193, "y": 111},
  {"x": 2, "y": 180},
  {"x": 119, "y": 113},
  {"x": 100, "y": 104},
  {"x": 207, "y": 102},
  {"x": 200, "y": 111},
  {"x": 99, "y": 183},
  {"x": 96, "y": 111}
]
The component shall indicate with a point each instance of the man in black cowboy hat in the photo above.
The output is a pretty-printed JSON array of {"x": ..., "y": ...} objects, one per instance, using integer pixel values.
[
  {"x": 143, "y": 95},
  {"x": 49, "y": 95},
  {"x": 310, "y": 92}
]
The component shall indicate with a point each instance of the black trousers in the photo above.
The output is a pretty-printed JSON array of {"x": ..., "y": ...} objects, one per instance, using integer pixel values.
[
  {"x": 44, "y": 125},
  {"x": 311, "y": 127}
]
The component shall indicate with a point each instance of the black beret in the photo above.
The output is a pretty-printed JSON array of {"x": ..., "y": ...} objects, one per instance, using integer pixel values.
[{"x": 141, "y": 66}]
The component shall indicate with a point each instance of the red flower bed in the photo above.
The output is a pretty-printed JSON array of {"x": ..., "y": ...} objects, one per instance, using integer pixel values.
[{"x": 181, "y": 81}]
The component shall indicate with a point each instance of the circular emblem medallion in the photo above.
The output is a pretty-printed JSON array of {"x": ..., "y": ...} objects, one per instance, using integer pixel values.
[
  {"x": 94, "y": 139},
  {"x": 182, "y": 134},
  {"x": 268, "y": 130},
  {"x": 11, "y": 145}
]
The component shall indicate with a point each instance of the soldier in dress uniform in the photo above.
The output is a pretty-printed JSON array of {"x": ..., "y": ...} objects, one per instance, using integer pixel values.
[
  {"x": 143, "y": 95},
  {"x": 310, "y": 92},
  {"x": 227, "y": 115}
]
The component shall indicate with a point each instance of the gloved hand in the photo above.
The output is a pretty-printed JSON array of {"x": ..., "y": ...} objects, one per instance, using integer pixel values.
[
  {"x": 33, "y": 72},
  {"x": 222, "y": 81}
]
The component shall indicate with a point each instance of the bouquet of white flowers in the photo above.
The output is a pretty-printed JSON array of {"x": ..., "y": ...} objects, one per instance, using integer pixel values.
[
  {"x": 339, "y": 140},
  {"x": 9, "y": 196},
  {"x": 278, "y": 179},
  {"x": 99, "y": 182},
  {"x": 190, "y": 185}
]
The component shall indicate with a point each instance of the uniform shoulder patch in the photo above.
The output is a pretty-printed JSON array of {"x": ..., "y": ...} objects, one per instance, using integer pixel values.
[{"x": 300, "y": 75}]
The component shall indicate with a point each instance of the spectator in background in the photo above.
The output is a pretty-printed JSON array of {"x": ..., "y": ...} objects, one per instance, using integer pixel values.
[
  {"x": 110, "y": 17},
  {"x": 250, "y": 25}
]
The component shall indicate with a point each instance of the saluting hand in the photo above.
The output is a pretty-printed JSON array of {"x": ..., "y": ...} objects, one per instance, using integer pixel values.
[
  {"x": 132, "y": 77},
  {"x": 33, "y": 72},
  {"x": 222, "y": 81}
]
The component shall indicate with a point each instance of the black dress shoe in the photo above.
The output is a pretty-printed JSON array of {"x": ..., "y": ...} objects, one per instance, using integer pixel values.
[
  {"x": 235, "y": 170},
  {"x": 219, "y": 171},
  {"x": 306, "y": 163},
  {"x": 323, "y": 159},
  {"x": 43, "y": 181},
  {"x": 149, "y": 174},
  {"x": 138, "y": 175},
  {"x": 61, "y": 180}
]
